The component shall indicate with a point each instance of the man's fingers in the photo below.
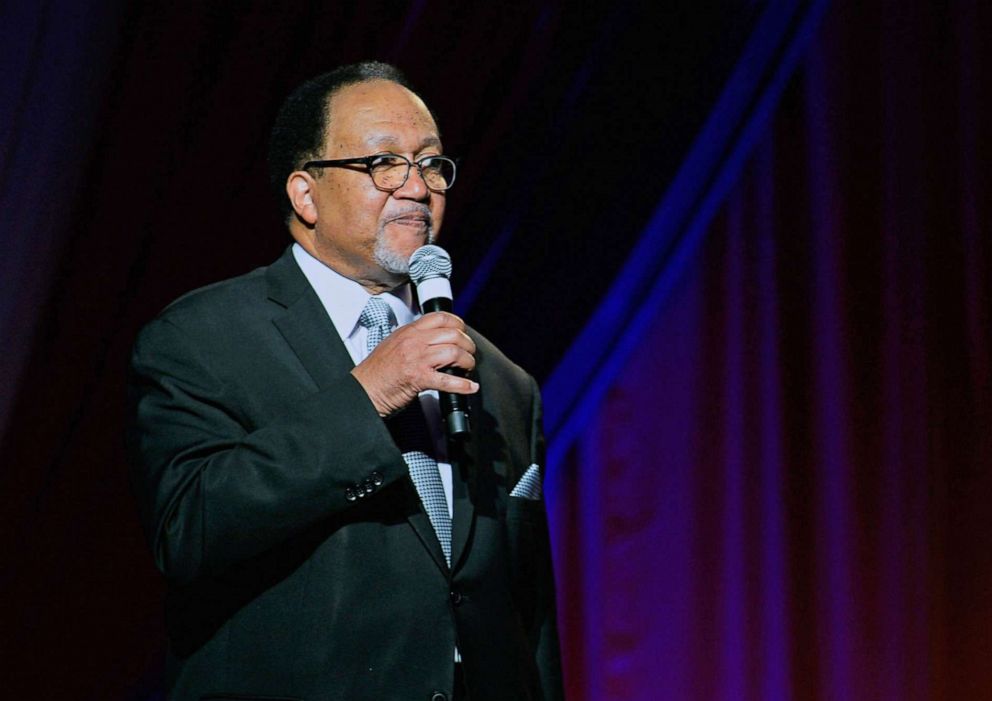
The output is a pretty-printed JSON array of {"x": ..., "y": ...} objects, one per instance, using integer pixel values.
[
  {"x": 450, "y": 356},
  {"x": 454, "y": 384},
  {"x": 450, "y": 337},
  {"x": 435, "y": 320},
  {"x": 408, "y": 361}
]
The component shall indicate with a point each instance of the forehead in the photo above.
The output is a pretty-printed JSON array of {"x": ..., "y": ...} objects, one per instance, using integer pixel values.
[{"x": 379, "y": 113}]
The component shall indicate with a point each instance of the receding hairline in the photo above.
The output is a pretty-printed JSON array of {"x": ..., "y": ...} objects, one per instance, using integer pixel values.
[{"x": 329, "y": 115}]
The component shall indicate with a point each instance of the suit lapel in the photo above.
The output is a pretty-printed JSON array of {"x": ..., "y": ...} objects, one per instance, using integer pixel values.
[
  {"x": 463, "y": 521},
  {"x": 304, "y": 324},
  {"x": 425, "y": 531},
  {"x": 465, "y": 465}
]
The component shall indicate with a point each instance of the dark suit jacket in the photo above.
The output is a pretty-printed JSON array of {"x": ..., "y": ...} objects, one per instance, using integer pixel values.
[{"x": 247, "y": 429}]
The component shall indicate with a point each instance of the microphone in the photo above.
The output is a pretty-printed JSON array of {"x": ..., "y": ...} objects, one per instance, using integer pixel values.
[{"x": 430, "y": 270}]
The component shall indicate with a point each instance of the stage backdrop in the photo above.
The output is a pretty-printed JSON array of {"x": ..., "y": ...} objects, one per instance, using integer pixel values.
[{"x": 785, "y": 493}]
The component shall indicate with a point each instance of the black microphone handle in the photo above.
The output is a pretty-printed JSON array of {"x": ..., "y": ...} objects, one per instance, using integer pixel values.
[{"x": 454, "y": 407}]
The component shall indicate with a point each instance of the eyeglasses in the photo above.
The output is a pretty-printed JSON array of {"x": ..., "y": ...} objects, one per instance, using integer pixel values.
[{"x": 390, "y": 171}]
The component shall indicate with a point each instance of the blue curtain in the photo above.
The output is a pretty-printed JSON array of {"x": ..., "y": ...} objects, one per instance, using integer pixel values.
[{"x": 784, "y": 492}]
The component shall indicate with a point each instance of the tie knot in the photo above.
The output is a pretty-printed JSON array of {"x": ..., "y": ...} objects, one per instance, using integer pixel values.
[
  {"x": 379, "y": 319},
  {"x": 377, "y": 313}
]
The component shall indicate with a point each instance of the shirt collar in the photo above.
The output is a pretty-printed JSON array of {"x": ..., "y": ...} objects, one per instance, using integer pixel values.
[{"x": 344, "y": 299}]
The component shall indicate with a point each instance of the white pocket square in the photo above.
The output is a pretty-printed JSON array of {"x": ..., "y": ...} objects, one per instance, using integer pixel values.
[{"x": 529, "y": 486}]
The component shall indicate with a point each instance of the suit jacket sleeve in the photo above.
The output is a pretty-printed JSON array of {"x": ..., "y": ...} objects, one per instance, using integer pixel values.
[{"x": 214, "y": 488}]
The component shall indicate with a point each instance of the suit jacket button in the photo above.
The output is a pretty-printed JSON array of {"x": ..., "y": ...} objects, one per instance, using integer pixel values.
[
  {"x": 456, "y": 597},
  {"x": 438, "y": 696},
  {"x": 368, "y": 486},
  {"x": 377, "y": 478},
  {"x": 349, "y": 494}
]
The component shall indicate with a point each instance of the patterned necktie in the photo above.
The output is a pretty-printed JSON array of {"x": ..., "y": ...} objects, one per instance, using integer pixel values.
[{"x": 409, "y": 429}]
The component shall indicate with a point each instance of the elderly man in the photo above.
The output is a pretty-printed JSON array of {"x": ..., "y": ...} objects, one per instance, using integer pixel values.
[{"x": 320, "y": 537}]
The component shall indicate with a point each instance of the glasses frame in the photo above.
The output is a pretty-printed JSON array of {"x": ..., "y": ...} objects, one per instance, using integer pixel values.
[{"x": 367, "y": 161}]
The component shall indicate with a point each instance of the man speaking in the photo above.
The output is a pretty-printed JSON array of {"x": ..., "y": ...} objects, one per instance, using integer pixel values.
[{"x": 321, "y": 535}]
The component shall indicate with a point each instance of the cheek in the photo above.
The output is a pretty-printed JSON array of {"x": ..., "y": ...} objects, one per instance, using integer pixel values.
[
  {"x": 437, "y": 213},
  {"x": 360, "y": 210}
]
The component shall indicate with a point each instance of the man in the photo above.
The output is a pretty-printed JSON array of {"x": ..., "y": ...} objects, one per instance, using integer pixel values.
[{"x": 306, "y": 559}]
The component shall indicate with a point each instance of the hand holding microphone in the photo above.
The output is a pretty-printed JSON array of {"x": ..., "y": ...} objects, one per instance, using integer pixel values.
[{"x": 433, "y": 352}]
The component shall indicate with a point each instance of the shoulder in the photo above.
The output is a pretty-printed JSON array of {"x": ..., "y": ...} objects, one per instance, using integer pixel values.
[
  {"x": 217, "y": 299},
  {"x": 493, "y": 364},
  {"x": 224, "y": 316},
  {"x": 241, "y": 301}
]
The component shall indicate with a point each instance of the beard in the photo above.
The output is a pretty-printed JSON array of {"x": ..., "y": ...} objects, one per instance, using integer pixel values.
[{"x": 391, "y": 260}]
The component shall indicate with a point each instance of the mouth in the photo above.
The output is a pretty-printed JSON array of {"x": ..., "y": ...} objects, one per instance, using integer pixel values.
[
  {"x": 414, "y": 219},
  {"x": 417, "y": 222}
]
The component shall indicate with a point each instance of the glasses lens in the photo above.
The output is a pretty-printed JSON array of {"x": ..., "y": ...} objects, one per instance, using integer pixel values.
[
  {"x": 389, "y": 172},
  {"x": 438, "y": 171}
]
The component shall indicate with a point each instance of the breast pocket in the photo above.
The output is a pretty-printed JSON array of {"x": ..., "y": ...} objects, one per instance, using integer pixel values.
[
  {"x": 522, "y": 509},
  {"x": 529, "y": 551}
]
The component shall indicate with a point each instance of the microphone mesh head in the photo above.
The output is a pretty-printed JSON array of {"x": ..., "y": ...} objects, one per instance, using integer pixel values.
[{"x": 429, "y": 261}]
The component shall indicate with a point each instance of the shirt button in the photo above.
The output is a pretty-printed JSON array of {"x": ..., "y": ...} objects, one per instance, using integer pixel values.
[{"x": 456, "y": 597}]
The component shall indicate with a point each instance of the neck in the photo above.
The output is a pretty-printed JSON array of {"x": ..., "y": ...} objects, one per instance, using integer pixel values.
[{"x": 374, "y": 282}]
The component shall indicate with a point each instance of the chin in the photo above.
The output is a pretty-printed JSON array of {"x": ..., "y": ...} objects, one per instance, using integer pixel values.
[
  {"x": 392, "y": 261},
  {"x": 394, "y": 257}
]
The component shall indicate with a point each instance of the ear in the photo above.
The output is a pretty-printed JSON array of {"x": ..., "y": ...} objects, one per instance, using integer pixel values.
[{"x": 300, "y": 187}]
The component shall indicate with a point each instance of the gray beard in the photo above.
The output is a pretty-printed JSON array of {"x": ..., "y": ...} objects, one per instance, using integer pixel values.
[{"x": 391, "y": 261}]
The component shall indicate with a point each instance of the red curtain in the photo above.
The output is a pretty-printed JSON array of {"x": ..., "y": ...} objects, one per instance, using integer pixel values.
[{"x": 786, "y": 493}]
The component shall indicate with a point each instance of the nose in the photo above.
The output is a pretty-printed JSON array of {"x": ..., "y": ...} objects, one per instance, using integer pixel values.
[{"x": 415, "y": 188}]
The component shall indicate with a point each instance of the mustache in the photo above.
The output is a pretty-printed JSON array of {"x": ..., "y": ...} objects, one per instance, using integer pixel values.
[{"x": 421, "y": 212}]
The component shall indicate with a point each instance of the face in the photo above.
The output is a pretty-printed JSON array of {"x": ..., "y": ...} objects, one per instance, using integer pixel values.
[{"x": 356, "y": 229}]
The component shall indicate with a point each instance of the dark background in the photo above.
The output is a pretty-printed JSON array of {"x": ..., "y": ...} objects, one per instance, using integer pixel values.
[{"x": 132, "y": 171}]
